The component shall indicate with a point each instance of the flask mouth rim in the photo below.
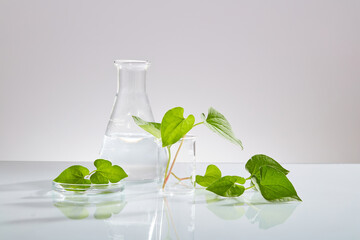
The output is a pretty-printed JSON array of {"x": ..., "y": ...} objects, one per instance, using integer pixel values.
[{"x": 132, "y": 63}]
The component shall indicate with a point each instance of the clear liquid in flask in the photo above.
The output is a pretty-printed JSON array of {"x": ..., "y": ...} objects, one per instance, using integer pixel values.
[{"x": 137, "y": 154}]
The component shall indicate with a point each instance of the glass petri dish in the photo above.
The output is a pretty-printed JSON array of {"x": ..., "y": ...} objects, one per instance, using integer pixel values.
[{"x": 89, "y": 189}]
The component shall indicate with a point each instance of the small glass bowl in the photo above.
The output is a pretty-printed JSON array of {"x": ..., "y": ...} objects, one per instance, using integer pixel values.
[
  {"x": 183, "y": 172},
  {"x": 69, "y": 188}
]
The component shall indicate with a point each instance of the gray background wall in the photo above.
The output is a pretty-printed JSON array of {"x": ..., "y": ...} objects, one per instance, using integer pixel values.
[{"x": 285, "y": 74}]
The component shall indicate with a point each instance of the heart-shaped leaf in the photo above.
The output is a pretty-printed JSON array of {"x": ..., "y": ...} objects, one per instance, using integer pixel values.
[
  {"x": 174, "y": 126},
  {"x": 217, "y": 123},
  {"x": 151, "y": 127},
  {"x": 260, "y": 160},
  {"x": 227, "y": 186},
  {"x": 74, "y": 175},
  {"x": 106, "y": 172},
  {"x": 274, "y": 185},
  {"x": 212, "y": 174}
]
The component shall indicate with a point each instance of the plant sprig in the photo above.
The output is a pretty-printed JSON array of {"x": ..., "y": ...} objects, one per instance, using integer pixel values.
[
  {"x": 105, "y": 172},
  {"x": 174, "y": 126},
  {"x": 267, "y": 176}
]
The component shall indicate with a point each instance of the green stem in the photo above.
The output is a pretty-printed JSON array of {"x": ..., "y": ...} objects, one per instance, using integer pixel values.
[
  {"x": 92, "y": 172},
  {"x": 176, "y": 176},
  {"x": 249, "y": 187},
  {"x": 168, "y": 162},
  {"x": 172, "y": 165},
  {"x": 248, "y": 178},
  {"x": 180, "y": 179},
  {"x": 198, "y": 124}
]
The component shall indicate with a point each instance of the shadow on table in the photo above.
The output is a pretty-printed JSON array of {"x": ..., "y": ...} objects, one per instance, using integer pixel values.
[
  {"x": 42, "y": 186},
  {"x": 31, "y": 221},
  {"x": 28, "y": 190}
]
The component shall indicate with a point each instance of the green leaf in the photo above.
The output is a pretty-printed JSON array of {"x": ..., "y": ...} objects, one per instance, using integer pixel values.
[
  {"x": 74, "y": 175},
  {"x": 240, "y": 180},
  {"x": 174, "y": 126},
  {"x": 212, "y": 174},
  {"x": 151, "y": 127},
  {"x": 260, "y": 160},
  {"x": 106, "y": 172},
  {"x": 216, "y": 122},
  {"x": 274, "y": 185},
  {"x": 227, "y": 187}
]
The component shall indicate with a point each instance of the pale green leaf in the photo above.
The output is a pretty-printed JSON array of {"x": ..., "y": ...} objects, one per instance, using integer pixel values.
[
  {"x": 174, "y": 126},
  {"x": 216, "y": 122},
  {"x": 151, "y": 127},
  {"x": 212, "y": 174}
]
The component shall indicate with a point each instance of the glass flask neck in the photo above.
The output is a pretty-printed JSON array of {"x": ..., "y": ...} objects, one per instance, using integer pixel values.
[
  {"x": 131, "y": 98},
  {"x": 131, "y": 75},
  {"x": 131, "y": 80}
]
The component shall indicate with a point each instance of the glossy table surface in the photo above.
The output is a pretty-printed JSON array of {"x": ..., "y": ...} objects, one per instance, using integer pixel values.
[{"x": 29, "y": 209}]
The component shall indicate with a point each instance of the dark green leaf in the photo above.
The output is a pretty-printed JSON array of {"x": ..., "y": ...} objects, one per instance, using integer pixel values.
[
  {"x": 274, "y": 185},
  {"x": 212, "y": 174},
  {"x": 260, "y": 160},
  {"x": 106, "y": 172},
  {"x": 227, "y": 187},
  {"x": 174, "y": 126},
  {"x": 74, "y": 175},
  {"x": 216, "y": 122},
  {"x": 151, "y": 127}
]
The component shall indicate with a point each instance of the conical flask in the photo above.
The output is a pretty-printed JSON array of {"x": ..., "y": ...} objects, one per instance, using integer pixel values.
[{"x": 126, "y": 144}]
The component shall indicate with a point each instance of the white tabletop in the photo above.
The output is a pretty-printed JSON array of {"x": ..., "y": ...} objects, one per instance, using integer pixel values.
[{"x": 29, "y": 209}]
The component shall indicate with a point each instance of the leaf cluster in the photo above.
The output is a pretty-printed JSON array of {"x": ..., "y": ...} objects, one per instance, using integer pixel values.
[
  {"x": 105, "y": 172},
  {"x": 267, "y": 176},
  {"x": 174, "y": 126}
]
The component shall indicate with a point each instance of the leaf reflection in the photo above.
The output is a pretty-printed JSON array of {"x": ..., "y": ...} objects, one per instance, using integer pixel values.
[
  {"x": 77, "y": 207},
  {"x": 258, "y": 211}
]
